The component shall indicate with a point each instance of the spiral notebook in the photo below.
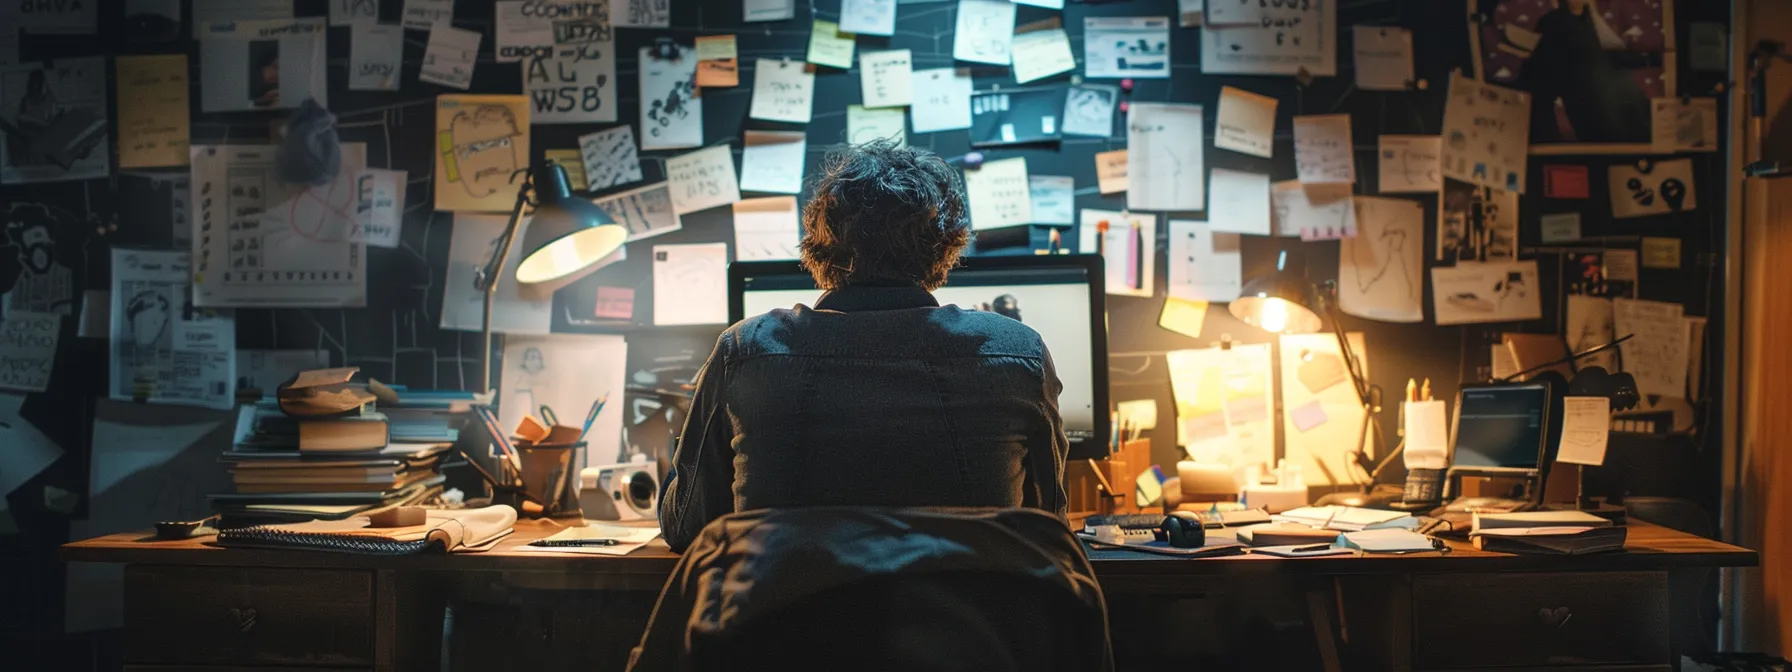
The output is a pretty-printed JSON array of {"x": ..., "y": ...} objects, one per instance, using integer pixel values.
[{"x": 443, "y": 531}]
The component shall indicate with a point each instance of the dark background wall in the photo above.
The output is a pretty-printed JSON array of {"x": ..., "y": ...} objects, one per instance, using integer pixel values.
[{"x": 395, "y": 337}]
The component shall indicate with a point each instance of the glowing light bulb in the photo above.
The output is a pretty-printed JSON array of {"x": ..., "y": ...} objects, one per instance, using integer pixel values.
[{"x": 1275, "y": 315}]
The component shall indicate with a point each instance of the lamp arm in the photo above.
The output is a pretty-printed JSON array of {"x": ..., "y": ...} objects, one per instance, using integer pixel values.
[
  {"x": 1365, "y": 392},
  {"x": 485, "y": 279}
]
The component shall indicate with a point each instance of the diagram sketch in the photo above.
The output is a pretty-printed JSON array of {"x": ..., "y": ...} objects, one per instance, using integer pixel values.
[
  {"x": 646, "y": 212},
  {"x": 1380, "y": 269}
]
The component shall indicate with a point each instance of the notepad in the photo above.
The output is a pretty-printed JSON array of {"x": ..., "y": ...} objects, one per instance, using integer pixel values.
[{"x": 1388, "y": 541}]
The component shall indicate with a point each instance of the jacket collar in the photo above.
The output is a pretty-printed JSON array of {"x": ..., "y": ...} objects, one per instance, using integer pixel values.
[{"x": 856, "y": 298}]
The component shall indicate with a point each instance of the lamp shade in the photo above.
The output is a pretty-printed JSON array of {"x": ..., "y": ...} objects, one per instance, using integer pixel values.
[
  {"x": 567, "y": 236},
  {"x": 1277, "y": 302}
]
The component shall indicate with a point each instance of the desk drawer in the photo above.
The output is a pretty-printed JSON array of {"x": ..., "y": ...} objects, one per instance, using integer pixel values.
[
  {"x": 1494, "y": 620},
  {"x": 240, "y": 616}
]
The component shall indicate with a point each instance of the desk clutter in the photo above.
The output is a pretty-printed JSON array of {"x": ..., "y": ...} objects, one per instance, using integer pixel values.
[{"x": 1343, "y": 530}]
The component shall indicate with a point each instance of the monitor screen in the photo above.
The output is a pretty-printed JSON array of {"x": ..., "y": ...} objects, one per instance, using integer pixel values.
[
  {"x": 1500, "y": 427},
  {"x": 1050, "y": 294}
]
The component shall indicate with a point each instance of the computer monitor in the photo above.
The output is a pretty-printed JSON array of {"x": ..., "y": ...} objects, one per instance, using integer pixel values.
[
  {"x": 1060, "y": 296},
  {"x": 1501, "y": 428}
]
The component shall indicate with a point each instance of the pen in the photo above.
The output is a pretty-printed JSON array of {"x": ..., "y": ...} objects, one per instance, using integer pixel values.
[
  {"x": 1412, "y": 391},
  {"x": 1309, "y": 549},
  {"x": 1425, "y": 391},
  {"x": 574, "y": 542}
]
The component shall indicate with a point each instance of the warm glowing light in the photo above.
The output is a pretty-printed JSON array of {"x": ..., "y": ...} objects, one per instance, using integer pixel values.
[{"x": 1274, "y": 317}]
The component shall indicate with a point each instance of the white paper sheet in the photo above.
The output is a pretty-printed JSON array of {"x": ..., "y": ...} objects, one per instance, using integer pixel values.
[
  {"x": 772, "y": 161},
  {"x": 999, "y": 195},
  {"x": 985, "y": 31},
  {"x": 646, "y": 211},
  {"x": 1323, "y": 153},
  {"x": 1204, "y": 265},
  {"x": 376, "y": 57},
  {"x": 671, "y": 110},
  {"x": 766, "y": 228},
  {"x": 1239, "y": 202},
  {"x": 690, "y": 284},
  {"x": 74, "y": 99},
  {"x": 1321, "y": 414},
  {"x": 282, "y": 65},
  {"x": 1126, "y": 46},
  {"x": 474, "y": 240},
  {"x": 263, "y": 243},
  {"x": 1383, "y": 57},
  {"x": 162, "y": 352},
  {"x": 574, "y": 85},
  {"x": 1246, "y": 124},
  {"x": 610, "y": 157},
  {"x": 868, "y": 17},
  {"x": 383, "y": 193},
  {"x": 450, "y": 57},
  {"x": 642, "y": 13},
  {"x": 1089, "y": 110},
  {"x": 1053, "y": 198},
  {"x": 265, "y": 370},
  {"x": 520, "y": 31},
  {"x": 1238, "y": 12},
  {"x": 1130, "y": 248},
  {"x": 1586, "y": 425},
  {"x": 1298, "y": 214},
  {"x": 1409, "y": 164},
  {"x": 208, "y": 12},
  {"x": 28, "y": 349},
  {"x": 1589, "y": 325},
  {"x": 1653, "y": 355},
  {"x": 1666, "y": 187},
  {"x": 425, "y": 14},
  {"x": 1487, "y": 131},
  {"x": 702, "y": 179},
  {"x": 1683, "y": 126},
  {"x": 352, "y": 12},
  {"x": 1461, "y": 238},
  {"x": 1164, "y": 162},
  {"x": 28, "y": 452},
  {"x": 1381, "y": 271},
  {"x": 942, "y": 100},
  {"x": 1280, "y": 41},
  {"x": 830, "y": 46},
  {"x": 767, "y": 10},
  {"x": 1223, "y": 401},
  {"x": 567, "y": 373},
  {"x": 1042, "y": 53},
  {"x": 886, "y": 77},
  {"x": 866, "y": 124},
  {"x": 782, "y": 91},
  {"x": 1472, "y": 293}
]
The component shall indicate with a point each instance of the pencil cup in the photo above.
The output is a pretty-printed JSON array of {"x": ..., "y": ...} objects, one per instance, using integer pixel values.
[
  {"x": 550, "y": 477},
  {"x": 1427, "y": 437}
]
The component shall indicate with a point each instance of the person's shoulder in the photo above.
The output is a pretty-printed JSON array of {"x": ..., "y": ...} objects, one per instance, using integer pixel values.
[
  {"x": 1004, "y": 334},
  {"x": 760, "y": 333}
]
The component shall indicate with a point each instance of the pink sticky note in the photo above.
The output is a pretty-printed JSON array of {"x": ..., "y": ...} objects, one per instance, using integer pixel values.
[{"x": 616, "y": 303}]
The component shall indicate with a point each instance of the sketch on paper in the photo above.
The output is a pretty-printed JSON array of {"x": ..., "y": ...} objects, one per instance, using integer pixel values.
[
  {"x": 1089, "y": 110},
  {"x": 1381, "y": 269},
  {"x": 53, "y": 117},
  {"x": 568, "y": 373},
  {"x": 646, "y": 212},
  {"x": 481, "y": 141},
  {"x": 671, "y": 111},
  {"x": 260, "y": 242},
  {"x": 164, "y": 351},
  {"x": 1475, "y": 223},
  {"x": 43, "y": 284}
]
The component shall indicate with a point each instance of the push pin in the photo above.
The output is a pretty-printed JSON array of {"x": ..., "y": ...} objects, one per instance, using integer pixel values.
[
  {"x": 1124, "y": 106},
  {"x": 1303, "y": 77},
  {"x": 973, "y": 160},
  {"x": 1126, "y": 85},
  {"x": 665, "y": 48}
]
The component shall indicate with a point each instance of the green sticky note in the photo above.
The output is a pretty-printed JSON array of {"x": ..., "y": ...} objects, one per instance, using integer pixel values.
[{"x": 828, "y": 46}]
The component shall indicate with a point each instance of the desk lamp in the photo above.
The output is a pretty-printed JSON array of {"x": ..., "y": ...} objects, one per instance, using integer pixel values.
[{"x": 567, "y": 236}]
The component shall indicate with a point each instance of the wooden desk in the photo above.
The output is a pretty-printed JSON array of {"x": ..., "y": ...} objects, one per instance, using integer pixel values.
[{"x": 193, "y": 606}]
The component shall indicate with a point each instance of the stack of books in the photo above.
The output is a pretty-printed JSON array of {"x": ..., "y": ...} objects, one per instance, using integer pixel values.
[
  {"x": 1546, "y": 532},
  {"x": 327, "y": 447}
]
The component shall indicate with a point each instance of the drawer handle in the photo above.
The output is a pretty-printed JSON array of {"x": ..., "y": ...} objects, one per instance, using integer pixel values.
[
  {"x": 244, "y": 617},
  {"x": 1555, "y": 618}
]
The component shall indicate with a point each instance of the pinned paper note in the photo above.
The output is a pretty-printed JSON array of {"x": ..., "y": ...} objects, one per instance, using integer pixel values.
[
  {"x": 998, "y": 192},
  {"x": 1486, "y": 292},
  {"x": 1586, "y": 426},
  {"x": 867, "y": 124},
  {"x": 480, "y": 141},
  {"x": 1486, "y": 134},
  {"x": 886, "y": 78},
  {"x": 570, "y": 161},
  {"x": 1238, "y": 202},
  {"x": 869, "y": 17},
  {"x": 1657, "y": 188},
  {"x": 772, "y": 162},
  {"x": 152, "y": 119},
  {"x": 718, "y": 62},
  {"x": 450, "y": 56},
  {"x": 1042, "y": 53},
  {"x": 1141, "y": 413},
  {"x": 768, "y": 10},
  {"x": 1566, "y": 181},
  {"x": 1183, "y": 316},
  {"x": 1683, "y": 125},
  {"x": 614, "y": 303},
  {"x": 702, "y": 179},
  {"x": 610, "y": 158},
  {"x": 28, "y": 349},
  {"x": 1246, "y": 124},
  {"x": 1562, "y": 227},
  {"x": 1129, "y": 248},
  {"x": 671, "y": 110},
  {"x": 1661, "y": 253},
  {"x": 1659, "y": 344},
  {"x": 646, "y": 211},
  {"x": 1409, "y": 164},
  {"x": 1110, "y": 171},
  {"x": 1204, "y": 265},
  {"x": 985, "y": 31},
  {"x": 1299, "y": 211},
  {"x": 1283, "y": 39},
  {"x": 941, "y": 100},
  {"x": 1323, "y": 153},
  {"x": 383, "y": 193},
  {"x": 766, "y": 228},
  {"x": 375, "y": 57},
  {"x": 1164, "y": 163},
  {"x": 1089, "y": 110},
  {"x": 572, "y": 84},
  {"x": 426, "y": 14},
  {"x": 830, "y": 46},
  {"x": 1381, "y": 270},
  {"x": 1053, "y": 198},
  {"x": 690, "y": 284},
  {"x": 782, "y": 91},
  {"x": 1383, "y": 57},
  {"x": 1130, "y": 46}
]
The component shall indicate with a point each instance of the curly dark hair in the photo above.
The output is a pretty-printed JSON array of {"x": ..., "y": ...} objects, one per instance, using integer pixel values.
[{"x": 884, "y": 214}]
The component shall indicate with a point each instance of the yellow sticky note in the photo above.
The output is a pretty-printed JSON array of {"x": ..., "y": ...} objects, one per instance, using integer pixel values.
[
  {"x": 828, "y": 46},
  {"x": 152, "y": 111},
  {"x": 1141, "y": 412},
  {"x": 573, "y": 163},
  {"x": 1183, "y": 316},
  {"x": 718, "y": 64},
  {"x": 1110, "y": 171},
  {"x": 716, "y": 47},
  {"x": 1661, "y": 253}
]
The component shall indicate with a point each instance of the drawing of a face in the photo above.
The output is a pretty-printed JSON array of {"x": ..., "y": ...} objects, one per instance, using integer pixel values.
[
  {"x": 533, "y": 361},
  {"x": 29, "y": 229},
  {"x": 485, "y": 149},
  {"x": 148, "y": 315}
]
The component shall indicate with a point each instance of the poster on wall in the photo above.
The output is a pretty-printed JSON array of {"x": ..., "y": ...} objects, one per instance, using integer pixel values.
[{"x": 263, "y": 243}]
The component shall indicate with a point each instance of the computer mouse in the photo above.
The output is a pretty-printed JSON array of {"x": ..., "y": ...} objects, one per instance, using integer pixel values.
[{"x": 1182, "y": 529}]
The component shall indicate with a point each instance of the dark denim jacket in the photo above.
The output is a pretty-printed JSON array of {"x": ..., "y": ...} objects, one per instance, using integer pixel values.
[{"x": 877, "y": 396}]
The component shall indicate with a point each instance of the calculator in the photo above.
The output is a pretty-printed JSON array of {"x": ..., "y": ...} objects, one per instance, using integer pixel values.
[{"x": 1423, "y": 486}]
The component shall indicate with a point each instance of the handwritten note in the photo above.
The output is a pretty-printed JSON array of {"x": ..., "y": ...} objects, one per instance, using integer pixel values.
[
  {"x": 985, "y": 31},
  {"x": 716, "y": 47},
  {"x": 610, "y": 157},
  {"x": 1053, "y": 198},
  {"x": 28, "y": 349},
  {"x": 690, "y": 284},
  {"x": 1322, "y": 149},
  {"x": 1238, "y": 202},
  {"x": 830, "y": 46},
  {"x": 766, "y": 228},
  {"x": 351, "y": 12},
  {"x": 772, "y": 162},
  {"x": 1297, "y": 213},
  {"x": 1383, "y": 57},
  {"x": 1283, "y": 38},
  {"x": 642, "y": 13},
  {"x": 425, "y": 14},
  {"x": 1661, "y": 252},
  {"x": 942, "y": 100},
  {"x": 1110, "y": 171},
  {"x": 1586, "y": 426},
  {"x": 450, "y": 57},
  {"x": 1659, "y": 345},
  {"x": 522, "y": 30},
  {"x": 718, "y": 62},
  {"x": 152, "y": 124},
  {"x": 865, "y": 124},
  {"x": 382, "y": 204},
  {"x": 1487, "y": 131},
  {"x": 1409, "y": 164},
  {"x": 1042, "y": 53},
  {"x": 999, "y": 194},
  {"x": 782, "y": 91},
  {"x": 886, "y": 78},
  {"x": 376, "y": 53},
  {"x": 1204, "y": 265},
  {"x": 869, "y": 17},
  {"x": 702, "y": 179},
  {"x": 1164, "y": 164},
  {"x": 1246, "y": 124},
  {"x": 575, "y": 84}
]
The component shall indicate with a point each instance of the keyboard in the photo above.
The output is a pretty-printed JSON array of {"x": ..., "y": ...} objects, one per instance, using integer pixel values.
[{"x": 1488, "y": 504}]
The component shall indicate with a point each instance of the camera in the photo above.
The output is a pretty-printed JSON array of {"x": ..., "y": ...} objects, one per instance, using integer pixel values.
[{"x": 628, "y": 491}]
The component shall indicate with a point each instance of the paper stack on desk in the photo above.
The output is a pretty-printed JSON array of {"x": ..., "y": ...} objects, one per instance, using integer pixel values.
[
  {"x": 1346, "y": 518},
  {"x": 1547, "y": 533}
]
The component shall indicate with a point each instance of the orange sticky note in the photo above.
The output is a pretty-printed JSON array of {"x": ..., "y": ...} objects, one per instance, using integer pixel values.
[{"x": 1110, "y": 171}]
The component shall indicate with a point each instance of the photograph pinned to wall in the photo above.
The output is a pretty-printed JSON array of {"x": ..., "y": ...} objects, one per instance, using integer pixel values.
[
  {"x": 163, "y": 350},
  {"x": 1129, "y": 248},
  {"x": 1610, "y": 273},
  {"x": 1282, "y": 41},
  {"x": 671, "y": 111},
  {"x": 480, "y": 141},
  {"x": 942, "y": 101},
  {"x": 1683, "y": 125},
  {"x": 265, "y": 370},
  {"x": 1383, "y": 58},
  {"x": 1475, "y": 223},
  {"x": 1126, "y": 46},
  {"x": 573, "y": 84},
  {"x": 783, "y": 90},
  {"x": 1652, "y": 188},
  {"x": 1485, "y": 134},
  {"x": 1590, "y": 68},
  {"x": 1311, "y": 214},
  {"x": 999, "y": 194},
  {"x": 610, "y": 157},
  {"x": 646, "y": 212},
  {"x": 1238, "y": 202},
  {"x": 766, "y": 228},
  {"x": 1204, "y": 265},
  {"x": 868, "y": 124},
  {"x": 375, "y": 57},
  {"x": 260, "y": 242},
  {"x": 1246, "y": 124},
  {"x": 1053, "y": 198},
  {"x": 868, "y": 17},
  {"x": 690, "y": 284},
  {"x": 568, "y": 373},
  {"x": 1381, "y": 270},
  {"x": 886, "y": 78},
  {"x": 1323, "y": 152},
  {"x": 772, "y": 161},
  {"x": 450, "y": 57},
  {"x": 153, "y": 129},
  {"x": 1041, "y": 49},
  {"x": 985, "y": 32},
  {"x": 474, "y": 241},
  {"x": 1089, "y": 110},
  {"x": 1502, "y": 291},
  {"x": 1016, "y": 117},
  {"x": 43, "y": 284},
  {"x": 276, "y": 65},
  {"x": 1589, "y": 325},
  {"x": 1223, "y": 403},
  {"x": 702, "y": 179},
  {"x": 1410, "y": 164},
  {"x": 54, "y": 118},
  {"x": 1323, "y": 417},
  {"x": 1165, "y": 166}
]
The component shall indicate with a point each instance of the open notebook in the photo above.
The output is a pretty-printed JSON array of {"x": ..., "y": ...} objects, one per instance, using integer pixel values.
[{"x": 443, "y": 530}]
